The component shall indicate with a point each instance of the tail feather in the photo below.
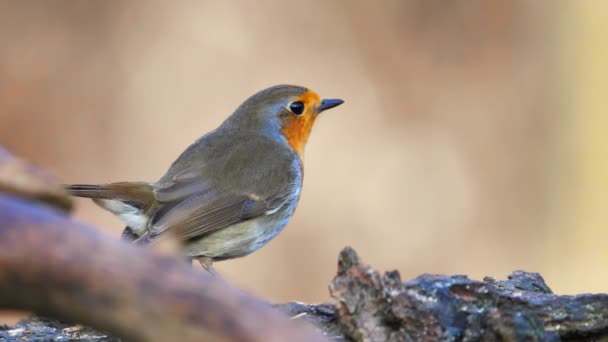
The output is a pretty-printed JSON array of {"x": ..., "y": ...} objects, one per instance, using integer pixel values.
[
  {"x": 90, "y": 191},
  {"x": 136, "y": 194},
  {"x": 130, "y": 201}
]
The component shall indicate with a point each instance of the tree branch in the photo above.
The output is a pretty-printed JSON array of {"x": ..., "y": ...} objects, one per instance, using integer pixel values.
[{"x": 58, "y": 268}]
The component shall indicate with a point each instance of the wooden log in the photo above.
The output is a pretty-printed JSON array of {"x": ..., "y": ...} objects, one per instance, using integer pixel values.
[{"x": 58, "y": 268}]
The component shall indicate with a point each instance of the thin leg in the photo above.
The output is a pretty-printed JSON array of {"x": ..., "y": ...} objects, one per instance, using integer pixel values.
[
  {"x": 128, "y": 234},
  {"x": 207, "y": 263}
]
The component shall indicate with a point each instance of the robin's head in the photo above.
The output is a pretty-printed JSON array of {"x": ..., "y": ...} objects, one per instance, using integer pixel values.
[{"x": 284, "y": 111}]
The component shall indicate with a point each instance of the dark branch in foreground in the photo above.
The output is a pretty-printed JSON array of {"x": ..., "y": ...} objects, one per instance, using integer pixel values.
[{"x": 57, "y": 268}]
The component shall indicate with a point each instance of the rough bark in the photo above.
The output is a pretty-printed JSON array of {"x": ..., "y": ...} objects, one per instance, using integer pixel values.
[{"x": 374, "y": 307}]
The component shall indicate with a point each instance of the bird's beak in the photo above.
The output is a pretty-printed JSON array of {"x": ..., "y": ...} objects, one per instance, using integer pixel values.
[{"x": 329, "y": 103}]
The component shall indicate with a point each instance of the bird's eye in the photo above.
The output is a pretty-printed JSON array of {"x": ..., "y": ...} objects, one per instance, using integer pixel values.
[{"x": 297, "y": 108}]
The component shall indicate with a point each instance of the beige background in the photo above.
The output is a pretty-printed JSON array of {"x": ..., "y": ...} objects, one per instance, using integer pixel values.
[{"x": 471, "y": 140}]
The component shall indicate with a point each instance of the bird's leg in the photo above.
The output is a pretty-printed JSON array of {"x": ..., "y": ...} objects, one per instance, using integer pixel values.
[{"x": 207, "y": 263}]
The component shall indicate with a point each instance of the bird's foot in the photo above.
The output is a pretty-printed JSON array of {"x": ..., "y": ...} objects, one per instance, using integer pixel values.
[{"x": 207, "y": 264}]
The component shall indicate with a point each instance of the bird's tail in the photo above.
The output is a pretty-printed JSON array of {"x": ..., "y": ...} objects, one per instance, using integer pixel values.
[{"x": 136, "y": 194}]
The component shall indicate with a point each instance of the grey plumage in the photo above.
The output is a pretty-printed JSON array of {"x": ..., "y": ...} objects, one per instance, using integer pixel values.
[{"x": 229, "y": 193}]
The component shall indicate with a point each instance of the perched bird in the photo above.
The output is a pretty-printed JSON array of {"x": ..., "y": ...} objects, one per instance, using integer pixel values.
[{"x": 232, "y": 190}]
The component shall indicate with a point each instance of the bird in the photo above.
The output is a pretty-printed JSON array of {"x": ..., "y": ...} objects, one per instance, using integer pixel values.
[{"x": 232, "y": 190}]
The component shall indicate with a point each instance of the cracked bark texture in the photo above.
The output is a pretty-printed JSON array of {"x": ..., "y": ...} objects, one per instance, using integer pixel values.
[{"x": 374, "y": 307}]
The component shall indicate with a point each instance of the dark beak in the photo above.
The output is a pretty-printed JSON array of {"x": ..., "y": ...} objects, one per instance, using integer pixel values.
[{"x": 329, "y": 103}]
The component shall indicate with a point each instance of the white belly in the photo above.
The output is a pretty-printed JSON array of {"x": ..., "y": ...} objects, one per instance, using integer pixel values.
[{"x": 237, "y": 240}]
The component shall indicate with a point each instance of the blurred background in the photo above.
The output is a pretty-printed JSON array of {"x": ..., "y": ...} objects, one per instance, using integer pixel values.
[{"x": 472, "y": 141}]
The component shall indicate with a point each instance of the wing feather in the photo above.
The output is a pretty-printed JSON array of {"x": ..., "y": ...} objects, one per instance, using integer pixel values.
[
  {"x": 205, "y": 191},
  {"x": 211, "y": 210}
]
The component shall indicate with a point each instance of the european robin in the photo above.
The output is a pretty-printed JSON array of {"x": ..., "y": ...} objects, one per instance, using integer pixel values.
[{"x": 232, "y": 190}]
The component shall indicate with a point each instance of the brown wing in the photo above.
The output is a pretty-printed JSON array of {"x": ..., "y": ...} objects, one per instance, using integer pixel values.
[
  {"x": 223, "y": 179},
  {"x": 208, "y": 210}
]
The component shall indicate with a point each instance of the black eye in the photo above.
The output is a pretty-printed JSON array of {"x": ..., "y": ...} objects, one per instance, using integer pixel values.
[{"x": 297, "y": 108}]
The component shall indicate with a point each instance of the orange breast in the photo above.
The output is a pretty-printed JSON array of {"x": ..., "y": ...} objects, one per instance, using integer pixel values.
[{"x": 297, "y": 130}]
